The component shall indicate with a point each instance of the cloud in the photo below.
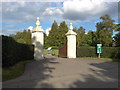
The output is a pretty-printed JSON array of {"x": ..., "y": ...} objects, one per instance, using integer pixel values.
[
  {"x": 10, "y": 31},
  {"x": 17, "y": 15},
  {"x": 30, "y": 28},
  {"x": 15, "y": 6},
  {"x": 22, "y": 12},
  {"x": 47, "y": 31},
  {"x": 87, "y": 9},
  {"x": 52, "y": 11}
]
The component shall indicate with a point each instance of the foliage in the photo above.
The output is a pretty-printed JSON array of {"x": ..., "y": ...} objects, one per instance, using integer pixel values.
[
  {"x": 46, "y": 40},
  {"x": 117, "y": 39},
  {"x": 107, "y": 52},
  {"x": 13, "y": 52},
  {"x": 14, "y": 71},
  {"x": 117, "y": 36},
  {"x": 23, "y": 37},
  {"x": 86, "y": 52},
  {"x": 105, "y": 30},
  {"x": 103, "y": 34},
  {"x": 53, "y": 36},
  {"x": 92, "y": 38},
  {"x": 80, "y": 36},
  {"x": 56, "y": 36},
  {"x": 117, "y": 28},
  {"x": 63, "y": 29}
]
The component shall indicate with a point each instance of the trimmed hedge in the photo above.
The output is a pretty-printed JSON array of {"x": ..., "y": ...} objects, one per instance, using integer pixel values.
[
  {"x": 13, "y": 52},
  {"x": 107, "y": 52}
]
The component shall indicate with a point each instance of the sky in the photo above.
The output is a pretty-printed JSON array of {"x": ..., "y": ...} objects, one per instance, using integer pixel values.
[{"x": 17, "y": 16}]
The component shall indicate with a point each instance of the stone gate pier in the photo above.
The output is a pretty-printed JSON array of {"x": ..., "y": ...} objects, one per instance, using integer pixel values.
[
  {"x": 38, "y": 41},
  {"x": 71, "y": 43}
]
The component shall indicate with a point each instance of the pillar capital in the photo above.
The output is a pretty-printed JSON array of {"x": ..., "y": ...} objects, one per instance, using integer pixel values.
[
  {"x": 71, "y": 32},
  {"x": 38, "y": 28}
]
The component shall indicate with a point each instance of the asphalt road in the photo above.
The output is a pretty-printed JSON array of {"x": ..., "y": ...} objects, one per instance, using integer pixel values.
[{"x": 54, "y": 72}]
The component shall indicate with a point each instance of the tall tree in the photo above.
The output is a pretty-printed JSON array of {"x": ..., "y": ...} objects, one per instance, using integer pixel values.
[
  {"x": 105, "y": 30},
  {"x": 80, "y": 36},
  {"x": 57, "y": 36},
  {"x": 91, "y": 38},
  {"x": 53, "y": 36},
  {"x": 117, "y": 36},
  {"x": 46, "y": 45},
  {"x": 63, "y": 29}
]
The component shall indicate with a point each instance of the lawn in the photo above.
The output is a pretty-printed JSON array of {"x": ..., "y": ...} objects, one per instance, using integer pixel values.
[
  {"x": 18, "y": 69},
  {"x": 14, "y": 71}
]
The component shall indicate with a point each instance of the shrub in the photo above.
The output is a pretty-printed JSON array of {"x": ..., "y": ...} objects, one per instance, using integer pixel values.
[
  {"x": 86, "y": 52},
  {"x": 107, "y": 52},
  {"x": 13, "y": 52}
]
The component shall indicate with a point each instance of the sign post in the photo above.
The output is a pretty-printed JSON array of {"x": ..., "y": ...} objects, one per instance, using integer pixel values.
[{"x": 99, "y": 49}]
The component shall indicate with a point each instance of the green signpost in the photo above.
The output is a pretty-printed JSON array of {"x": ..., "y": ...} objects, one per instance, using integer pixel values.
[{"x": 99, "y": 49}]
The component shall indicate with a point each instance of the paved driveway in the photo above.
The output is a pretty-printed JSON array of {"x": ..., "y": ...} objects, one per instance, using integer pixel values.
[{"x": 54, "y": 72}]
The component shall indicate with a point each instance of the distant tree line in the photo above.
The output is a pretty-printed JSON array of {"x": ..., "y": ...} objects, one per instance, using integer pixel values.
[
  {"x": 103, "y": 34},
  {"x": 22, "y": 37},
  {"x": 56, "y": 38},
  {"x": 20, "y": 44}
]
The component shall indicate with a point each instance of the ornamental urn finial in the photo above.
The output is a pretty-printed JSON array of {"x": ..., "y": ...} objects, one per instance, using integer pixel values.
[
  {"x": 38, "y": 21},
  {"x": 71, "y": 27}
]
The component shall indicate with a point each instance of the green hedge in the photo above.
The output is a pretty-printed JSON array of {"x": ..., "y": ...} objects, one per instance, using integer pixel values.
[
  {"x": 13, "y": 52},
  {"x": 107, "y": 52}
]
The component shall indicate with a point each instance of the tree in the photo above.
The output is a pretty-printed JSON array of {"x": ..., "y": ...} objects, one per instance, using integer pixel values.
[
  {"x": 75, "y": 29},
  {"x": 117, "y": 36},
  {"x": 105, "y": 30},
  {"x": 23, "y": 37},
  {"x": 80, "y": 36},
  {"x": 63, "y": 29},
  {"x": 46, "y": 45},
  {"x": 108, "y": 23},
  {"x": 53, "y": 36},
  {"x": 91, "y": 38},
  {"x": 117, "y": 28},
  {"x": 57, "y": 37}
]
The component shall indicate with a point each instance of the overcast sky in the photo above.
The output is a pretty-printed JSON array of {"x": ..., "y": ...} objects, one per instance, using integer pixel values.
[{"x": 17, "y": 16}]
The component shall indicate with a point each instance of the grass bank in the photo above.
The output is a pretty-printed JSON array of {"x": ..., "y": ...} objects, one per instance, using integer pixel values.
[
  {"x": 104, "y": 59},
  {"x": 14, "y": 71}
]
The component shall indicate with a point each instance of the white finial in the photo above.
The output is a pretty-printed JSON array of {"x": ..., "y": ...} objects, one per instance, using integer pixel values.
[
  {"x": 38, "y": 21},
  {"x": 71, "y": 27},
  {"x": 38, "y": 18}
]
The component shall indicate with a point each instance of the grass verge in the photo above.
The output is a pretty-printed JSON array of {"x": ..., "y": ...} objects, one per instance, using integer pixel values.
[
  {"x": 104, "y": 59},
  {"x": 14, "y": 71}
]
